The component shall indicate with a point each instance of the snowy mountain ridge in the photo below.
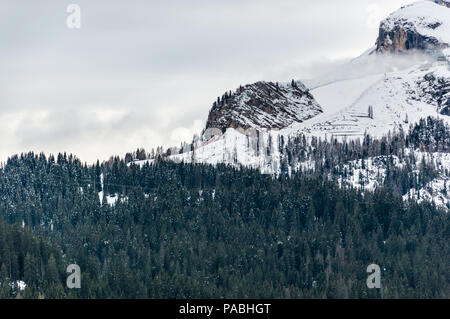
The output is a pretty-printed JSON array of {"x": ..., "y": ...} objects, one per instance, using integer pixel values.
[{"x": 263, "y": 105}]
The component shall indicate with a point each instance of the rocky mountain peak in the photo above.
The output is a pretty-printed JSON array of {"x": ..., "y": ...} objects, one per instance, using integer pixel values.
[
  {"x": 265, "y": 105},
  {"x": 424, "y": 25}
]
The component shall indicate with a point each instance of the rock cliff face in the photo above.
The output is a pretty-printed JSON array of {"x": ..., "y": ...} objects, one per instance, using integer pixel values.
[
  {"x": 422, "y": 26},
  {"x": 399, "y": 39},
  {"x": 263, "y": 105}
]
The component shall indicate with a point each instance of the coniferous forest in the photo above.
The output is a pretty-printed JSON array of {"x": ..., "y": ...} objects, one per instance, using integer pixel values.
[{"x": 201, "y": 231}]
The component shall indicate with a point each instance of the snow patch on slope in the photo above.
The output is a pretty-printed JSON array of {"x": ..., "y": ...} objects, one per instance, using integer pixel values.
[
  {"x": 396, "y": 99},
  {"x": 436, "y": 191},
  {"x": 236, "y": 148},
  {"x": 370, "y": 174}
]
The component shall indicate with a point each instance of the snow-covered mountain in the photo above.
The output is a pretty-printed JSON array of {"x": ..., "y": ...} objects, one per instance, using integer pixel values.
[
  {"x": 404, "y": 78},
  {"x": 423, "y": 25},
  {"x": 263, "y": 105}
]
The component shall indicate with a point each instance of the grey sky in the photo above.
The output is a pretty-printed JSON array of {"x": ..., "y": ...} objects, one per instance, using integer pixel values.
[{"x": 144, "y": 73}]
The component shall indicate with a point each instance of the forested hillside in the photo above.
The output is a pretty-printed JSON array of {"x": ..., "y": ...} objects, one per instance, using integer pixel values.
[
  {"x": 198, "y": 231},
  {"x": 28, "y": 260},
  {"x": 409, "y": 164}
]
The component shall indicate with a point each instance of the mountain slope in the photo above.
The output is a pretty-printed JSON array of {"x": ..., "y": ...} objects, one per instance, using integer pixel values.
[
  {"x": 263, "y": 105},
  {"x": 397, "y": 99}
]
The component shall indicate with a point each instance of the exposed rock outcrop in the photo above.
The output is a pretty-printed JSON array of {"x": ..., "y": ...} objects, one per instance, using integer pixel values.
[
  {"x": 435, "y": 90},
  {"x": 401, "y": 39},
  {"x": 263, "y": 105}
]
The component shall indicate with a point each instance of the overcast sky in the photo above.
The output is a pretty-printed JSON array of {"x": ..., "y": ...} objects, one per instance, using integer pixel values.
[{"x": 145, "y": 73}]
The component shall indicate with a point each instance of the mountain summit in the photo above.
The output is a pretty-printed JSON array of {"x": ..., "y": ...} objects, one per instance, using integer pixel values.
[{"x": 424, "y": 25}]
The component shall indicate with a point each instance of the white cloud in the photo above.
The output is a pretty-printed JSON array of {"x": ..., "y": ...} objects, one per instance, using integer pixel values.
[{"x": 185, "y": 134}]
